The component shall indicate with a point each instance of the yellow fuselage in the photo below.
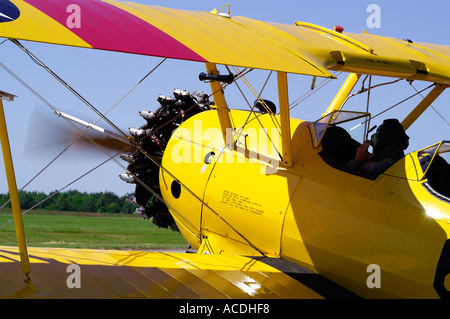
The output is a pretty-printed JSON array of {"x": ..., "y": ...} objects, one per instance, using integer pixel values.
[{"x": 243, "y": 201}]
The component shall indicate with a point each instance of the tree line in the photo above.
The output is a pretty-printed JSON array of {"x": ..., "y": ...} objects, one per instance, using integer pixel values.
[{"x": 73, "y": 200}]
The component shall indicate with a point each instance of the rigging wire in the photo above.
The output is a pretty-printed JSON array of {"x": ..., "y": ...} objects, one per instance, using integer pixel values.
[
  {"x": 132, "y": 89},
  {"x": 363, "y": 89},
  {"x": 137, "y": 146},
  {"x": 238, "y": 76},
  {"x": 367, "y": 109},
  {"x": 402, "y": 101},
  {"x": 58, "y": 191},
  {"x": 56, "y": 111},
  {"x": 309, "y": 93},
  {"x": 389, "y": 108},
  {"x": 43, "y": 169},
  {"x": 110, "y": 157},
  {"x": 257, "y": 96},
  {"x": 102, "y": 116},
  {"x": 252, "y": 107},
  {"x": 72, "y": 90},
  {"x": 188, "y": 189},
  {"x": 257, "y": 118},
  {"x": 439, "y": 114}
]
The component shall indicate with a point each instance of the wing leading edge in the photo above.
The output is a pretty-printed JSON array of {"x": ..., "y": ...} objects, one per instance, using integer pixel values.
[
  {"x": 150, "y": 30},
  {"x": 208, "y": 37}
]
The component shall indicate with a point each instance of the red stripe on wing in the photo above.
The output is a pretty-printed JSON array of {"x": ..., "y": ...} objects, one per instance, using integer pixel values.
[{"x": 106, "y": 27}]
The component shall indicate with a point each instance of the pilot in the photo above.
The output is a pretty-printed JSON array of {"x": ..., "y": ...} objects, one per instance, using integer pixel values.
[{"x": 389, "y": 143}]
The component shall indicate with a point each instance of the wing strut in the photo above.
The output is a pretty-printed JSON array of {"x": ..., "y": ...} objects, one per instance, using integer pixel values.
[
  {"x": 343, "y": 93},
  {"x": 283, "y": 100},
  {"x": 222, "y": 108},
  {"x": 12, "y": 186},
  {"x": 423, "y": 105}
]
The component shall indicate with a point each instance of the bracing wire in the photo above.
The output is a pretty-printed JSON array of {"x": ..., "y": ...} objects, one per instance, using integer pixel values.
[
  {"x": 391, "y": 107},
  {"x": 55, "y": 110},
  {"x": 437, "y": 112},
  {"x": 366, "y": 128},
  {"x": 134, "y": 144},
  {"x": 308, "y": 94},
  {"x": 402, "y": 101},
  {"x": 257, "y": 118},
  {"x": 58, "y": 191},
  {"x": 71, "y": 89}
]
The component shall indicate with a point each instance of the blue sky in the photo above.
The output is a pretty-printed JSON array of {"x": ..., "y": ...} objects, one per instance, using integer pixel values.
[{"x": 104, "y": 77}]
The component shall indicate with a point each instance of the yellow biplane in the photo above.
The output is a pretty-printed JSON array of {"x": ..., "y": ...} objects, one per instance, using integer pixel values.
[{"x": 269, "y": 203}]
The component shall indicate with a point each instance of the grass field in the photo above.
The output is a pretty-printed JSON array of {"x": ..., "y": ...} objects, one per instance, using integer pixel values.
[{"x": 89, "y": 230}]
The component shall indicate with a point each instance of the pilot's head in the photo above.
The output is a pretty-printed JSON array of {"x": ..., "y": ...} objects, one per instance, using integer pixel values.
[{"x": 390, "y": 134}]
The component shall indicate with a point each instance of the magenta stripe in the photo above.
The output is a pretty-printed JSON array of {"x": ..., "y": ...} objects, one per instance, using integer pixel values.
[{"x": 106, "y": 27}]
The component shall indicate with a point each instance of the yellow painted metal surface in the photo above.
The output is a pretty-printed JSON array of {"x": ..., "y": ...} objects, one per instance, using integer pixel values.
[
  {"x": 37, "y": 26},
  {"x": 390, "y": 57},
  {"x": 12, "y": 186},
  {"x": 242, "y": 200},
  {"x": 422, "y": 106},
  {"x": 246, "y": 206},
  {"x": 222, "y": 40},
  {"x": 208, "y": 37},
  {"x": 186, "y": 161},
  {"x": 343, "y": 93},
  {"x": 283, "y": 98},
  {"x": 139, "y": 274},
  {"x": 323, "y": 218},
  {"x": 221, "y": 106},
  {"x": 239, "y": 199},
  {"x": 340, "y": 224}
]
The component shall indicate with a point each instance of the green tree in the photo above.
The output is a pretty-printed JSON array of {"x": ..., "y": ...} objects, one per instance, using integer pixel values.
[
  {"x": 72, "y": 200},
  {"x": 113, "y": 208}
]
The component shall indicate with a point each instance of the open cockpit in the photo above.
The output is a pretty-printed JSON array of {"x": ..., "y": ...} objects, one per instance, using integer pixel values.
[
  {"x": 334, "y": 134},
  {"x": 434, "y": 162}
]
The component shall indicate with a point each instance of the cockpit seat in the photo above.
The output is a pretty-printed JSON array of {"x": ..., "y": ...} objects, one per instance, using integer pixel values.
[
  {"x": 438, "y": 176},
  {"x": 339, "y": 145}
]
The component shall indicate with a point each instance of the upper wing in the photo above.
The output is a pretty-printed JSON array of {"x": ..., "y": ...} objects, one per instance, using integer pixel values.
[
  {"x": 138, "y": 274},
  {"x": 150, "y": 30},
  {"x": 208, "y": 37}
]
